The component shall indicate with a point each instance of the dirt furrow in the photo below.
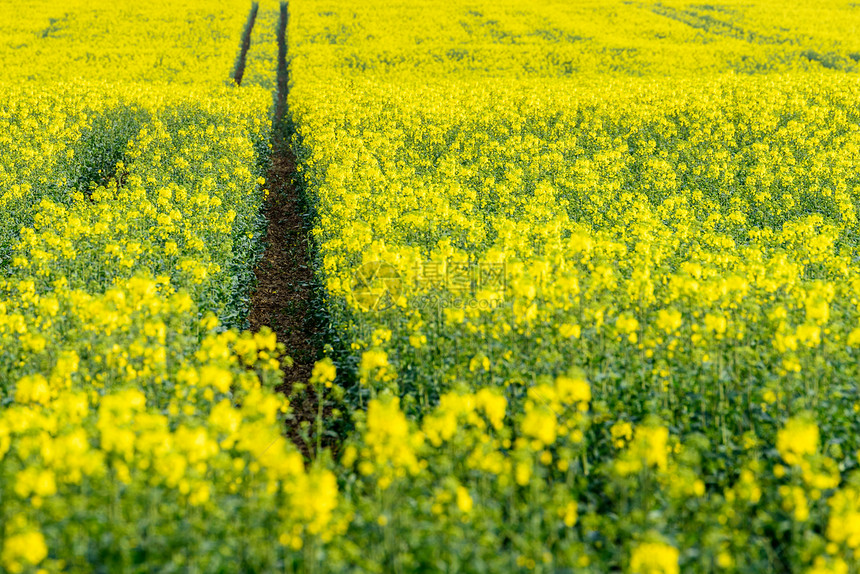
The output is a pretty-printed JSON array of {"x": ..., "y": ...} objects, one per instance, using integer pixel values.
[{"x": 284, "y": 297}]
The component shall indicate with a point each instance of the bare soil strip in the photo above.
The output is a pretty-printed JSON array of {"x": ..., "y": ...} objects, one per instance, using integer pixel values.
[
  {"x": 284, "y": 298},
  {"x": 239, "y": 69}
]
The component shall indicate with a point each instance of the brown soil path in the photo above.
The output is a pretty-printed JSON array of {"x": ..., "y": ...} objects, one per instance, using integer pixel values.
[{"x": 284, "y": 296}]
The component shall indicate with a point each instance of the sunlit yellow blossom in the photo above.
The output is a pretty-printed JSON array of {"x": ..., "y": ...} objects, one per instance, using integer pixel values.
[
  {"x": 669, "y": 320},
  {"x": 324, "y": 372},
  {"x": 33, "y": 389},
  {"x": 797, "y": 439},
  {"x": 654, "y": 558},
  {"x": 20, "y": 550},
  {"x": 843, "y": 526},
  {"x": 649, "y": 448},
  {"x": 540, "y": 423},
  {"x": 219, "y": 378},
  {"x": 621, "y": 433},
  {"x": 464, "y": 500},
  {"x": 391, "y": 442}
]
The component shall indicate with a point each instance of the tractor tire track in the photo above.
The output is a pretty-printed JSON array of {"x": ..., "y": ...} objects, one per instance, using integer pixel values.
[{"x": 285, "y": 298}]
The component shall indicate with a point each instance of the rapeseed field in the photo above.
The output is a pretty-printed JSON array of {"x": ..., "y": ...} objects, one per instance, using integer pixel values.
[{"x": 589, "y": 273}]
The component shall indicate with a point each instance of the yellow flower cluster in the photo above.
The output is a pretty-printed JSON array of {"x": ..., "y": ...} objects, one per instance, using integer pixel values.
[
  {"x": 844, "y": 524},
  {"x": 391, "y": 443},
  {"x": 797, "y": 439},
  {"x": 648, "y": 449},
  {"x": 654, "y": 558},
  {"x": 23, "y": 550}
]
